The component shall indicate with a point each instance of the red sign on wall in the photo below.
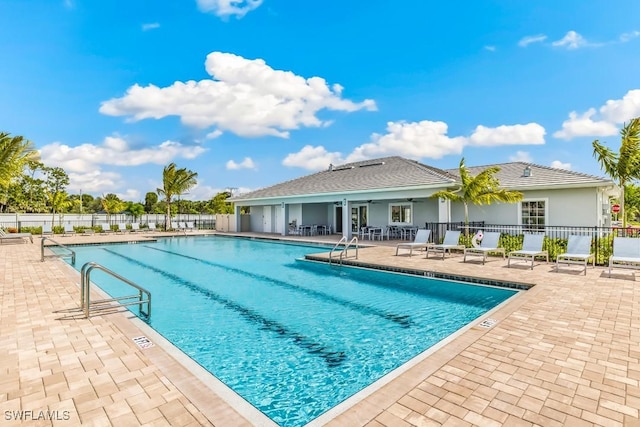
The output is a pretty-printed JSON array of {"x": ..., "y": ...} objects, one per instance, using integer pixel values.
[{"x": 615, "y": 208}]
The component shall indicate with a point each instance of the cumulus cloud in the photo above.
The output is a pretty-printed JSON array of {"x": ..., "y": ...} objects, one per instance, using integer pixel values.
[
  {"x": 246, "y": 97},
  {"x": 150, "y": 26},
  {"x": 226, "y": 8},
  {"x": 603, "y": 122},
  {"x": 313, "y": 158},
  {"x": 521, "y": 156},
  {"x": 213, "y": 135},
  {"x": 584, "y": 125},
  {"x": 113, "y": 151},
  {"x": 95, "y": 181},
  {"x": 526, "y": 41},
  {"x": 572, "y": 40},
  {"x": 417, "y": 140},
  {"x": 246, "y": 163},
  {"x": 559, "y": 165},
  {"x": 529, "y": 134},
  {"x": 411, "y": 139}
]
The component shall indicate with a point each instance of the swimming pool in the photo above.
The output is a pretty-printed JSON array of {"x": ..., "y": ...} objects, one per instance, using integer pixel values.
[{"x": 291, "y": 337}]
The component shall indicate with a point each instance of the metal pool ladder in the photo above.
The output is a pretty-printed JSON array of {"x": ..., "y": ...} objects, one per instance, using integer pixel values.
[
  {"x": 345, "y": 251},
  {"x": 142, "y": 298},
  {"x": 72, "y": 253}
]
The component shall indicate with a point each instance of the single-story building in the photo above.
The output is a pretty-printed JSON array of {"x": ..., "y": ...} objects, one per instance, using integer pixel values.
[{"x": 396, "y": 191}]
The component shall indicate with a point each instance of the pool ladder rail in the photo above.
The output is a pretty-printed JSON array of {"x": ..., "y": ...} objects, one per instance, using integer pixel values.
[
  {"x": 71, "y": 253},
  {"x": 142, "y": 298},
  {"x": 344, "y": 252}
]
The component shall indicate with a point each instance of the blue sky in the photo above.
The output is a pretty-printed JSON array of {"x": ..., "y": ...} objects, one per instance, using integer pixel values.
[{"x": 248, "y": 93}]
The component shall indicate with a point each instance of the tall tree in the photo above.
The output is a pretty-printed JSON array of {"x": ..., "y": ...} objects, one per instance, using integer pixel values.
[
  {"x": 15, "y": 152},
  {"x": 482, "y": 189},
  {"x": 150, "y": 200},
  {"x": 624, "y": 166},
  {"x": 112, "y": 204},
  {"x": 174, "y": 183},
  {"x": 56, "y": 180}
]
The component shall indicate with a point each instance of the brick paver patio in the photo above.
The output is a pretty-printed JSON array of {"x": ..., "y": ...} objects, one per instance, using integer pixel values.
[{"x": 565, "y": 353}]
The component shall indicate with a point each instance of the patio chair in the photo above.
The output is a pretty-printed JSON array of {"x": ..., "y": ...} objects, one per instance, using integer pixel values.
[
  {"x": 122, "y": 227},
  {"x": 46, "y": 229},
  {"x": 578, "y": 252},
  {"x": 4, "y": 236},
  {"x": 531, "y": 248},
  {"x": 68, "y": 229},
  {"x": 152, "y": 226},
  {"x": 135, "y": 227},
  {"x": 174, "y": 225},
  {"x": 420, "y": 242},
  {"x": 450, "y": 242},
  {"x": 105, "y": 228},
  {"x": 626, "y": 253},
  {"x": 489, "y": 243},
  {"x": 190, "y": 226}
]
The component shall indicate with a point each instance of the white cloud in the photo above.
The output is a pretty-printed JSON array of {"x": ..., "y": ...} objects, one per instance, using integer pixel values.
[
  {"x": 226, "y": 8},
  {"x": 559, "y": 165},
  {"x": 572, "y": 40},
  {"x": 622, "y": 110},
  {"x": 490, "y": 48},
  {"x": 150, "y": 26},
  {"x": 529, "y": 134},
  {"x": 583, "y": 125},
  {"x": 246, "y": 97},
  {"x": 246, "y": 163},
  {"x": 94, "y": 182},
  {"x": 411, "y": 139},
  {"x": 312, "y": 158},
  {"x": 521, "y": 156},
  {"x": 417, "y": 140},
  {"x": 526, "y": 41},
  {"x": 213, "y": 135},
  {"x": 626, "y": 37},
  {"x": 113, "y": 151},
  {"x": 69, "y": 4}
]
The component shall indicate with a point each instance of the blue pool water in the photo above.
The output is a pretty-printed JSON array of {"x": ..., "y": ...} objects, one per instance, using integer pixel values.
[{"x": 291, "y": 337}]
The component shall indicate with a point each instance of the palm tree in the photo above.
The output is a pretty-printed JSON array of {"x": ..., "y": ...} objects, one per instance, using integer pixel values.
[
  {"x": 624, "y": 166},
  {"x": 482, "y": 189},
  {"x": 175, "y": 182},
  {"x": 15, "y": 153}
]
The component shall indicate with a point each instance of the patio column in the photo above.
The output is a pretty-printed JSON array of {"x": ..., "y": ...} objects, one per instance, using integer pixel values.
[
  {"x": 284, "y": 218},
  {"x": 237, "y": 218},
  {"x": 346, "y": 219},
  {"x": 444, "y": 210}
]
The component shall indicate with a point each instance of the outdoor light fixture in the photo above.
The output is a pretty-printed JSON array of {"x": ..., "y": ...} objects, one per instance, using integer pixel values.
[{"x": 527, "y": 171}]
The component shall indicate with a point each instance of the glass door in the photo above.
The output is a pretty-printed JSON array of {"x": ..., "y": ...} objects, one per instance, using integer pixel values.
[{"x": 358, "y": 218}]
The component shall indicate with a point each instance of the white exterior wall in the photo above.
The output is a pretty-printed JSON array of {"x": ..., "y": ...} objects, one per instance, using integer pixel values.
[{"x": 577, "y": 206}]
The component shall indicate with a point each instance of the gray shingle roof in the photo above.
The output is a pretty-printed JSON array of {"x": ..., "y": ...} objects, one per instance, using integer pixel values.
[
  {"x": 511, "y": 175},
  {"x": 397, "y": 172},
  {"x": 388, "y": 172}
]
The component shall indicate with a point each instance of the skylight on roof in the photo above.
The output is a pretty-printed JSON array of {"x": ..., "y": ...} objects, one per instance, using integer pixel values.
[{"x": 372, "y": 164}]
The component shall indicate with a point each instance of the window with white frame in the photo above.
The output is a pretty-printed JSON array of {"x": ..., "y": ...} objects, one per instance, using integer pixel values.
[
  {"x": 400, "y": 213},
  {"x": 533, "y": 213}
]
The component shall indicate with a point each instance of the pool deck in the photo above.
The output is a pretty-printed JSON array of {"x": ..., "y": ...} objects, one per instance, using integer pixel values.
[{"x": 564, "y": 353}]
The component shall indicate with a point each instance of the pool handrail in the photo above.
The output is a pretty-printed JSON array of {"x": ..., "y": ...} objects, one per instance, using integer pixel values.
[
  {"x": 42, "y": 255},
  {"x": 344, "y": 251},
  {"x": 85, "y": 298}
]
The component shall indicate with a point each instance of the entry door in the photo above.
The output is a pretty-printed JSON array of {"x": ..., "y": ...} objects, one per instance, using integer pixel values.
[
  {"x": 358, "y": 218},
  {"x": 266, "y": 219},
  {"x": 338, "y": 218}
]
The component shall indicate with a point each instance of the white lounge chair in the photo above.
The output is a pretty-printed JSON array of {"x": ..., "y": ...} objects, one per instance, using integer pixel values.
[
  {"x": 531, "y": 248},
  {"x": 450, "y": 242},
  {"x": 626, "y": 253},
  {"x": 135, "y": 227},
  {"x": 4, "y": 236},
  {"x": 420, "y": 242},
  {"x": 122, "y": 227},
  {"x": 174, "y": 225},
  {"x": 578, "y": 252},
  {"x": 46, "y": 229},
  {"x": 190, "y": 226},
  {"x": 68, "y": 229},
  {"x": 488, "y": 244},
  {"x": 152, "y": 226},
  {"x": 105, "y": 228}
]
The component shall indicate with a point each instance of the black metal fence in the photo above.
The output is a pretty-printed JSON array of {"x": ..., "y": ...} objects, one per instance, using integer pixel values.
[{"x": 556, "y": 237}]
